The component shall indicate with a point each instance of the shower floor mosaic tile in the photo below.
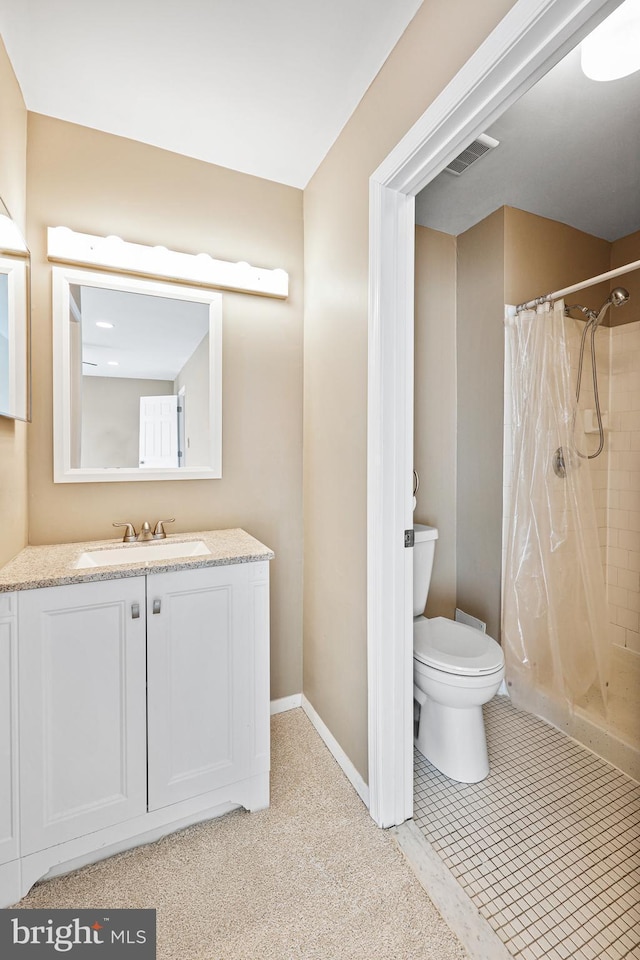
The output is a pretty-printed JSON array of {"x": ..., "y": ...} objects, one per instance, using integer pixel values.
[{"x": 547, "y": 847}]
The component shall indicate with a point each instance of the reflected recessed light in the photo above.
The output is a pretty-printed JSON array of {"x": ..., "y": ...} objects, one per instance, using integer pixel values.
[
  {"x": 112, "y": 363},
  {"x": 105, "y": 324},
  {"x": 612, "y": 51}
]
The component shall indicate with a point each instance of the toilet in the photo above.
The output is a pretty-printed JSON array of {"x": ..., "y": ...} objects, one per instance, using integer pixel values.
[{"x": 456, "y": 669}]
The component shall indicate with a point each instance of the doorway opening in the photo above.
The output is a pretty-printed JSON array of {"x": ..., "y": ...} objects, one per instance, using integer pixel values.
[{"x": 525, "y": 45}]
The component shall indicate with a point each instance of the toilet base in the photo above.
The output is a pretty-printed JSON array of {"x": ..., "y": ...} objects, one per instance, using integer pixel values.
[{"x": 453, "y": 740}]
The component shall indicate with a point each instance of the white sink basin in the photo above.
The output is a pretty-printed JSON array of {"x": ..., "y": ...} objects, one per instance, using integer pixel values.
[{"x": 141, "y": 553}]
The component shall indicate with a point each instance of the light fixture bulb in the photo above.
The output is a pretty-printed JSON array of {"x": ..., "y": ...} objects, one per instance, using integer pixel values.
[
  {"x": 89, "y": 250},
  {"x": 10, "y": 237},
  {"x": 112, "y": 363},
  {"x": 104, "y": 324},
  {"x": 612, "y": 50}
]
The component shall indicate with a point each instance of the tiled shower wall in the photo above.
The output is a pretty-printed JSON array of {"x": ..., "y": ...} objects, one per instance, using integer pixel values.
[{"x": 623, "y": 507}]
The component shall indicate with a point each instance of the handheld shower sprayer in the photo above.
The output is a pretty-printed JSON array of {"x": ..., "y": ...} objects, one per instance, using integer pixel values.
[{"x": 616, "y": 298}]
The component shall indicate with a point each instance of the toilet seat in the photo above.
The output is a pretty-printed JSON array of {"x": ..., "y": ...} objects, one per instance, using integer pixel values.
[{"x": 455, "y": 647}]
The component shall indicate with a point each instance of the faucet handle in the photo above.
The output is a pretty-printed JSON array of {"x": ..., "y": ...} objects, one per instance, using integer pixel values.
[
  {"x": 129, "y": 534},
  {"x": 158, "y": 532}
]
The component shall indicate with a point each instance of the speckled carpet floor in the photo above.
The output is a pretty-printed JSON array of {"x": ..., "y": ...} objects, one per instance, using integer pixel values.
[{"x": 311, "y": 878}]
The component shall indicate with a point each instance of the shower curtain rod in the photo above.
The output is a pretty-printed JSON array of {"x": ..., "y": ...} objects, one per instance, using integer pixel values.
[{"x": 580, "y": 286}]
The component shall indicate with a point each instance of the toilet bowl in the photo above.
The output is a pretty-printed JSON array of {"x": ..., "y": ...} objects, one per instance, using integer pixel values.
[{"x": 456, "y": 669}]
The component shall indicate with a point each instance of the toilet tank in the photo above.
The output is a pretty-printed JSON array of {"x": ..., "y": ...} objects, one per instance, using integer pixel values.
[{"x": 423, "y": 551}]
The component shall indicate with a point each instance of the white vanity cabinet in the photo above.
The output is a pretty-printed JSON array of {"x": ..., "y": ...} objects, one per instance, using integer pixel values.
[
  {"x": 82, "y": 709},
  {"x": 143, "y": 708},
  {"x": 208, "y": 680},
  {"x": 8, "y": 733}
]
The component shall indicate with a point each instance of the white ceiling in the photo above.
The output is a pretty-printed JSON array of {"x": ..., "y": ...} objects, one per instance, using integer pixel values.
[
  {"x": 569, "y": 150},
  {"x": 264, "y": 88},
  {"x": 151, "y": 338}
]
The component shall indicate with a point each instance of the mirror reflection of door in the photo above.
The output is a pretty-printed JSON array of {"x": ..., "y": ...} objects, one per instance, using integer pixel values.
[
  {"x": 159, "y": 432},
  {"x": 136, "y": 355},
  {"x": 182, "y": 439}
]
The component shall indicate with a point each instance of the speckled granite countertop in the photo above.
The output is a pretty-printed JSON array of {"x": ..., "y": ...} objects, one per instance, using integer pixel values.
[{"x": 54, "y": 565}]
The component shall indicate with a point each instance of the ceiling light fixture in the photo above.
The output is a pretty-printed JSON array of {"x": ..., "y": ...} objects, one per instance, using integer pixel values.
[
  {"x": 104, "y": 324},
  {"x": 612, "y": 50},
  {"x": 112, "y": 363},
  {"x": 67, "y": 246}
]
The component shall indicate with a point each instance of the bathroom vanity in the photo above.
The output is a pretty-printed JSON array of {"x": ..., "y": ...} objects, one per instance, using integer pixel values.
[{"x": 134, "y": 696}]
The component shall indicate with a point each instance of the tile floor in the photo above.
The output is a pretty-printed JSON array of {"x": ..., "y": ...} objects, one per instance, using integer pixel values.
[{"x": 547, "y": 847}]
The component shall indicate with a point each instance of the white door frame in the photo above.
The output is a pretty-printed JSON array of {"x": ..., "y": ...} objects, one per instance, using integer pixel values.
[{"x": 533, "y": 36}]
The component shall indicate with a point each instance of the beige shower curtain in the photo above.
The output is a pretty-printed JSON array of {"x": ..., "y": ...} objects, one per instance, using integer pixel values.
[{"x": 554, "y": 611}]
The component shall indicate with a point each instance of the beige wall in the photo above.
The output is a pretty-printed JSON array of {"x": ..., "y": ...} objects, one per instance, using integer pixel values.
[
  {"x": 439, "y": 40},
  {"x": 102, "y": 184},
  {"x": 13, "y": 434},
  {"x": 480, "y": 354},
  {"x": 435, "y": 413},
  {"x": 543, "y": 255},
  {"x": 111, "y": 419},
  {"x": 623, "y": 251}
]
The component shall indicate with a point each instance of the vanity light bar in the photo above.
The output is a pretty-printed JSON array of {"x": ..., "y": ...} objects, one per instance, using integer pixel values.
[
  {"x": 11, "y": 240},
  {"x": 67, "y": 246}
]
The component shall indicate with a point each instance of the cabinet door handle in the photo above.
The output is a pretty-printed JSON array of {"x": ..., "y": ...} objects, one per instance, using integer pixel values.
[
  {"x": 135, "y": 611},
  {"x": 156, "y": 606}
]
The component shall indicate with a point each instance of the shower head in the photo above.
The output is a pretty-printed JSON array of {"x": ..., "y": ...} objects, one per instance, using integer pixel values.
[{"x": 616, "y": 298}]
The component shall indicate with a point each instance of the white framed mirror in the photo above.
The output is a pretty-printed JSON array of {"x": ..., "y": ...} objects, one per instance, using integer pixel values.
[
  {"x": 137, "y": 379},
  {"x": 15, "y": 389}
]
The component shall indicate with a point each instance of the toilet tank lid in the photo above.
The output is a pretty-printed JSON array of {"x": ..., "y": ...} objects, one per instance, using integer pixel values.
[{"x": 422, "y": 532}]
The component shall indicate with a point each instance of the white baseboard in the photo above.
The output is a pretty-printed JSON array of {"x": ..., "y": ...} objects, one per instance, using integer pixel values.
[
  {"x": 338, "y": 753},
  {"x": 286, "y": 703}
]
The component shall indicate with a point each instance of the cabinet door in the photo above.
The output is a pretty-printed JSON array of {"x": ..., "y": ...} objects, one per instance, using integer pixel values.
[
  {"x": 82, "y": 709},
  {"x": 201, "y": 662},
  {"x": 8, "y": 729}
]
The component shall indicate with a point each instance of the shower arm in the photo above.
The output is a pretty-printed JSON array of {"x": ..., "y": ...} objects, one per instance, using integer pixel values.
[{"x": 589, "y": 314}]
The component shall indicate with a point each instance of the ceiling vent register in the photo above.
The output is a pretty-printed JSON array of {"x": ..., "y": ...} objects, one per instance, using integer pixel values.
[{"x": 481, "y": 145}]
